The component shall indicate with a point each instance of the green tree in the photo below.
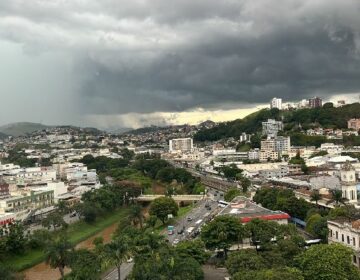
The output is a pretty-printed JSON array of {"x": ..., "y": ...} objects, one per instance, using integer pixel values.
[
  {"x": 162, "y": 207},
  {"x": 222, "y": 232},
  {"x": 15, "y": 240},
  {"x": 245, "y": 184},
  {"x": 88, "y": 211},
  {"x": 328, "y": 262},
  {"x": 315, "y": 196},
  {"x": 58, "y": 253},
  {"x": 337, "y": 197},
  {"x": 84, "y": 265},
  {"x": 39, "y": 238},
  {"x": 192, "y": 248},
  {"x": 262, "y": 232},
  {"x": 231, "y": 194},
  {"x": 7, "y": 273},
  {"x": 62, "y": 207},
  {"x": 283, "y": 273},
  {"x": 116, "y": 252},
  {"x": 54, "y": 220},
  {"x": 244, "y": 260},
  {"x": 136, "y": 215}
]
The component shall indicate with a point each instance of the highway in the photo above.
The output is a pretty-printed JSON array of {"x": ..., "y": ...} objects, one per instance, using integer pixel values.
[
  {"x": 195, "y": 219},
  {"x": 125, "y": 270}
]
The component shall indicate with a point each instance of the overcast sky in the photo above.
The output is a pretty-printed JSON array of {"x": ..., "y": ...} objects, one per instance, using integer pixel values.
[{"x": 111, "y": 63}]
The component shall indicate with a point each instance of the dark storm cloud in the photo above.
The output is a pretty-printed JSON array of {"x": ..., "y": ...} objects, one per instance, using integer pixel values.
[{"x": 149, "y": 56}]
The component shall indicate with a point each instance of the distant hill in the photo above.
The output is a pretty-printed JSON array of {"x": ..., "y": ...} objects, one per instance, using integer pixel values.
[
  {"x": 327, "y": 117},
  {"x": 145, "y": 130},
  {"x": 3, "y": 136},
  {"x": 21, "y": 128}
]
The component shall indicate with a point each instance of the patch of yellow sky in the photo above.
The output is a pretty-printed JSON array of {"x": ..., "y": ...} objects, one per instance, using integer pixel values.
[{"x": 200, "y": 115}]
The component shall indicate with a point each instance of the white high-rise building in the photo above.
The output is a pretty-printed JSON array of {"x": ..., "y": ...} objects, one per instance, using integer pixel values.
[
  {"x": 181, "y": 144},
  {"x": 276, "y": 103}
]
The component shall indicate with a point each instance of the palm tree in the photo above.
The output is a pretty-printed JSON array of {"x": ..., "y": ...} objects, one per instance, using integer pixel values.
[
  {"x": 315, "y": 196},
  {"x": 58, "y": 253},
  {"x": 337, "y": 197},
  {"x": 116, "y": 252},
  {"x": 136, "y": 215}
]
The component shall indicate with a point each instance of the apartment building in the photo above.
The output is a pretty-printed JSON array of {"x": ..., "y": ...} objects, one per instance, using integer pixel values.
[
  {"x": 315, "y": 102},
  {"x": 276, "y": 103},
  {"x": 181, "y": 145},
  {"x": 274, "y": 148},
  {"x": 354, "y": 124},
  {"x": 271, "y": 127}
]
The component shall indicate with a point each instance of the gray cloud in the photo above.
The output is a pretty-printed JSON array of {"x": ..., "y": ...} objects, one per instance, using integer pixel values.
[{"x": 171, "y": 56}]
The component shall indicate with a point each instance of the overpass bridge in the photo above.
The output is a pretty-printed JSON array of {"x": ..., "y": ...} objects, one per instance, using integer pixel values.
[{"x": 177, "y": 198}]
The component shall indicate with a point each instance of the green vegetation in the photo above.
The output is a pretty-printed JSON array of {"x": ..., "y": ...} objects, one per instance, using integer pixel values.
[
  {"x": 284, "y": 259},
  {"x": 78, "y": 232},
  {"x": 231, "y": 194},
  {"x": 284, "y": 200},
  {"x": 21, "y": 128},
  {"x": 163, "y": 207},
  {"x": 330, "y": 262},
  {"x": 327, "y": 117}
]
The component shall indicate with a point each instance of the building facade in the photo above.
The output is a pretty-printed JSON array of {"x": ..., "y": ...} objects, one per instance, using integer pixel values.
[
  {"x": 276, "y": 103},
  {"x": 348, "y": 234},
  {"x": 354, "y": 124},
  {"x": 315, "y": 102},
  {"x": 271, "y": 127},
  {"x": 181, "y": 144}
]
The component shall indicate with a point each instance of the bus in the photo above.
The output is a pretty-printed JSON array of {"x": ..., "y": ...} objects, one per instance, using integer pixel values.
[
  {"x": 223, "y": 203},
  {"x": 311, "y": 242},
  {"x": 170, "y": 230},
  {"x": 190, "y": 230}
]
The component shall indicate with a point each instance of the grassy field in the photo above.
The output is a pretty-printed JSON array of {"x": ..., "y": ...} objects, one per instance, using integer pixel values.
[{"x": 77, "y": 232}]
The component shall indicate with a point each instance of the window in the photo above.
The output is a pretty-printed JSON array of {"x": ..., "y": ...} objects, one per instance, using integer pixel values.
[
  {"x": 348, "y": 239},
  {"x": 337, "y": 235},
  {"x": 354, "y": 241},
  {"x": 354, "y": 259},
  {"x": 342, "y": 238}
]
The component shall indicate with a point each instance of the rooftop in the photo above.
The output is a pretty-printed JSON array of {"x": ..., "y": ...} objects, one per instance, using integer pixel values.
[{"x": 247, "y": 210}]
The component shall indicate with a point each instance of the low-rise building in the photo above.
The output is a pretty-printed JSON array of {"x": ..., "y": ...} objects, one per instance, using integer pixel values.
[
  {"x": 346, "y": 233},
  {"x": 242, "y": 208},
  {"x": 27, "y": 200}
]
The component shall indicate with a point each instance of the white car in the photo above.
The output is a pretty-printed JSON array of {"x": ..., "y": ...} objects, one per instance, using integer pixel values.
[{"x": 176, "y": 241}]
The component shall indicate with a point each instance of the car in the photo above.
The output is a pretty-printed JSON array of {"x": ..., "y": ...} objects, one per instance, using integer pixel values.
[
  {"x": 189, "y": 219},
  {"x": 130, "y": 260},
  {"x": 176, "y": 241},
  {"x": 180, "y": 231}
]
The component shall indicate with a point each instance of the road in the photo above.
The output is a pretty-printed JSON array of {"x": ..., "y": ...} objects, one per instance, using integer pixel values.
[
  {"x": 199, "y": 212},
  {"x": 67, "y": 218},
  {"x": 196, "y": 218},
  {"x": 125, "y": 270}
]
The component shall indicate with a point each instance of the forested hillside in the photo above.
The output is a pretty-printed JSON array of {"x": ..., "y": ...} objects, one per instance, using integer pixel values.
[{"x": 327, "y": 117}]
